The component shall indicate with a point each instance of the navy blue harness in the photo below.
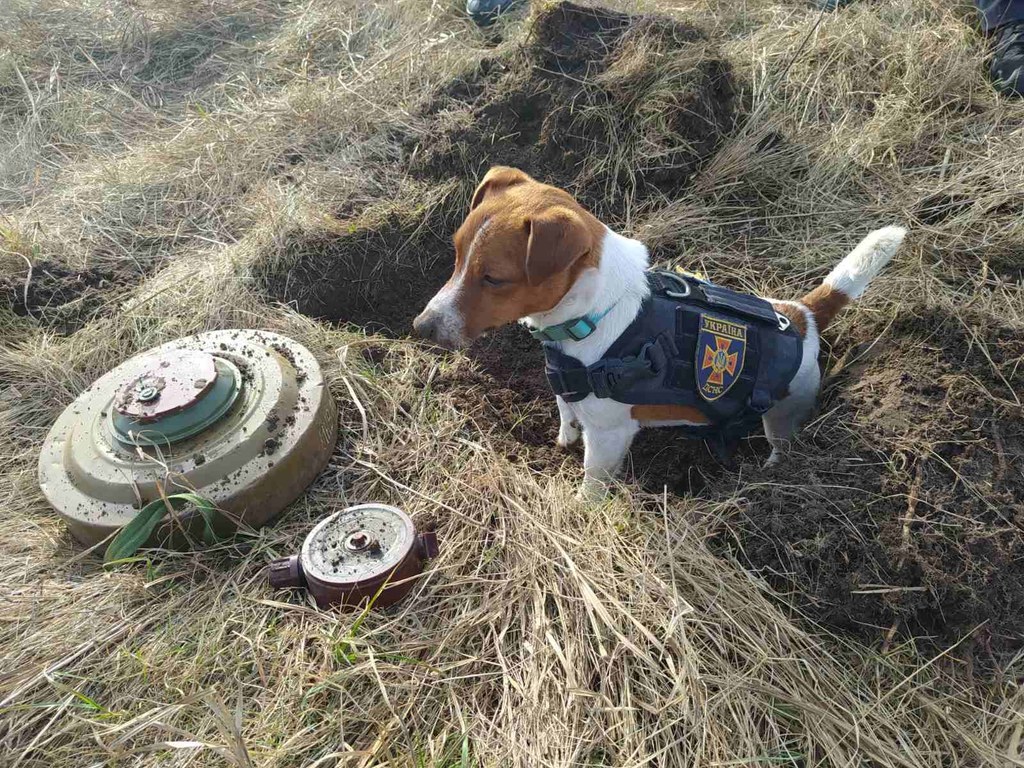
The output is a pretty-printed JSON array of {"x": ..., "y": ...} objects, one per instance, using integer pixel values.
[{"x": 693, "y": 343}]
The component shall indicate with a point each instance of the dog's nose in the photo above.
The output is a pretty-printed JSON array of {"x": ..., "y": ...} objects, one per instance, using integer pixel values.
[{"x": 425, "y": 326}]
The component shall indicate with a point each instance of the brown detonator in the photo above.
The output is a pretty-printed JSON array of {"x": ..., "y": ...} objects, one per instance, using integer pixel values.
[{"x": 366, "y": 551}]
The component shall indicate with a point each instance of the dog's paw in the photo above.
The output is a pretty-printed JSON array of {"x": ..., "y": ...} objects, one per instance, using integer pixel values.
[
  {"x": 592, "y": 491},
  {"x": 568, "y": 434}
]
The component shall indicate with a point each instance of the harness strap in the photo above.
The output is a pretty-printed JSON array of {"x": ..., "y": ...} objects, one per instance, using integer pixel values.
[{"x": 607, "y": 377}]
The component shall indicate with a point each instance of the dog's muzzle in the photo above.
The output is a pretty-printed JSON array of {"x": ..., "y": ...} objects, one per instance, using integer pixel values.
[{"x": 433, "y": 326}]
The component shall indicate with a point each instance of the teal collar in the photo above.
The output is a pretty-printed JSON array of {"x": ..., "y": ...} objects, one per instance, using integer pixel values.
[{"x": 576, "y": 329}]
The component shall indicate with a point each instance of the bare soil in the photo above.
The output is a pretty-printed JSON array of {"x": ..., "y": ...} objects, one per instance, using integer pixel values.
[
  {"x": 902, "y": 508},
  {"x": 58, "y": 297},
  {"x": 591, "y": 83}
]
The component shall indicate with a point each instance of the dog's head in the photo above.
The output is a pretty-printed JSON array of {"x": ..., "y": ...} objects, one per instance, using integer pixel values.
[{"x": 519, "y": 251}]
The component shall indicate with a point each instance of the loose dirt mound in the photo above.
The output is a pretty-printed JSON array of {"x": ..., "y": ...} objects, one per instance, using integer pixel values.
[
  {"x": 903, "y": 505},
  {"x": 60, "y": 298},
  {"x": 610, "y": 106}
]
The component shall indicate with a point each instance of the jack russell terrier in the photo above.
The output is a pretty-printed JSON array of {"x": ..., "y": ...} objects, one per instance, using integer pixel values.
[{"x": 627, "y": 347}]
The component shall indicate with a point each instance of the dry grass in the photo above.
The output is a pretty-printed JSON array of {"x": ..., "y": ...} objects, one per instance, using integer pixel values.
[{"x": 178, "y": 147}]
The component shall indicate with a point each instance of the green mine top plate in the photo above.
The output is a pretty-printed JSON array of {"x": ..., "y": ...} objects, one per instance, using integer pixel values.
[{"x": 213, "y": 393}]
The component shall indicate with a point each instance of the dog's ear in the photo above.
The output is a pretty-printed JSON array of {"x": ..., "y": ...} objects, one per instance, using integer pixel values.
[
  {"x": 498, "y": 178},
  {"x": 558, "y": 238}
]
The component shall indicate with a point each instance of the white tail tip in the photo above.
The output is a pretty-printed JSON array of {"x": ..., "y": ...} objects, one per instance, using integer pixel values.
[{"x": 852, "y": 275}]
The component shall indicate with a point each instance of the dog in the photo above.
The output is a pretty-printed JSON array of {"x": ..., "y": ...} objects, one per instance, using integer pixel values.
[{"x": 528, "y": 252}]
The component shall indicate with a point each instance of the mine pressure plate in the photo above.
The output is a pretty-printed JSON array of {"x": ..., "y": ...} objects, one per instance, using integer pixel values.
[
  {"x": 239, "y": 417},
  {"x": 367, "y": 552}
]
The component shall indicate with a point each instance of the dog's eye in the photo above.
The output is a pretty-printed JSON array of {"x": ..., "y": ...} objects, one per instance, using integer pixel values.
[{"x": 493, "y": 282}]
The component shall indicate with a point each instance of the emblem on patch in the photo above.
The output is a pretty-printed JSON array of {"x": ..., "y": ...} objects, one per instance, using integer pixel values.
[{"x": 721, "y": 348}]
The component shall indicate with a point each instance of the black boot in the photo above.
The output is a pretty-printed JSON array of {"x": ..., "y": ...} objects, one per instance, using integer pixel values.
[
  {"x": 1007, "y": 68},
  {"x": 484, "y": 12}
]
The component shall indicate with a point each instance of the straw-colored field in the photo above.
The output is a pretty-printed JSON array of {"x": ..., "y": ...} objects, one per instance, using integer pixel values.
[{"x": 171, "y": 167}]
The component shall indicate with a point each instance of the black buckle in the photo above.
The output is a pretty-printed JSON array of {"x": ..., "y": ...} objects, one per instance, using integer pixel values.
[{"x": 608, "y": 378}]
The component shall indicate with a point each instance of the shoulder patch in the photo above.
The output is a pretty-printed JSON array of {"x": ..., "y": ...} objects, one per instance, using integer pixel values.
[{"x": 721, "y": 351}]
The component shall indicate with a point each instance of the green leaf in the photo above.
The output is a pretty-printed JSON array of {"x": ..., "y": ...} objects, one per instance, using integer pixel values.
[
  {"x": 89, "y": 703},
  {"x": 207, "y": 511},
  {"x": 132, "y": 536}
]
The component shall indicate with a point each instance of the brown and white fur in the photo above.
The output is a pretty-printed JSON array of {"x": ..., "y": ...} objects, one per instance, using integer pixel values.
[{"x": 529, "y": 252}]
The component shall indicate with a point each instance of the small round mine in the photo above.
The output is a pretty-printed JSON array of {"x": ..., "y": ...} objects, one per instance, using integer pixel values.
[
  {"x": 359, "y": 544},
  {"x": 369, "y": 554}
]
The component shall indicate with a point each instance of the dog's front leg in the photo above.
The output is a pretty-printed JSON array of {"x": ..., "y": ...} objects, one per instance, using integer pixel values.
[
  {"x": 568, "y": 428},
  {"x": 605, "y": 448}
]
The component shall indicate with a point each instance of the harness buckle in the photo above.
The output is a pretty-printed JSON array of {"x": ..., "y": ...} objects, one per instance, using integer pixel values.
[
  {"x": 784, "y": 321},
  {"x": 582, "y": 328},
  {"x": 606, "y": 377},
  {"x": 610, "y": 377}
]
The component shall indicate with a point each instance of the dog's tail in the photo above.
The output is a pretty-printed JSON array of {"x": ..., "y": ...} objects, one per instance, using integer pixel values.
[{"x": 851, "y": 276}]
